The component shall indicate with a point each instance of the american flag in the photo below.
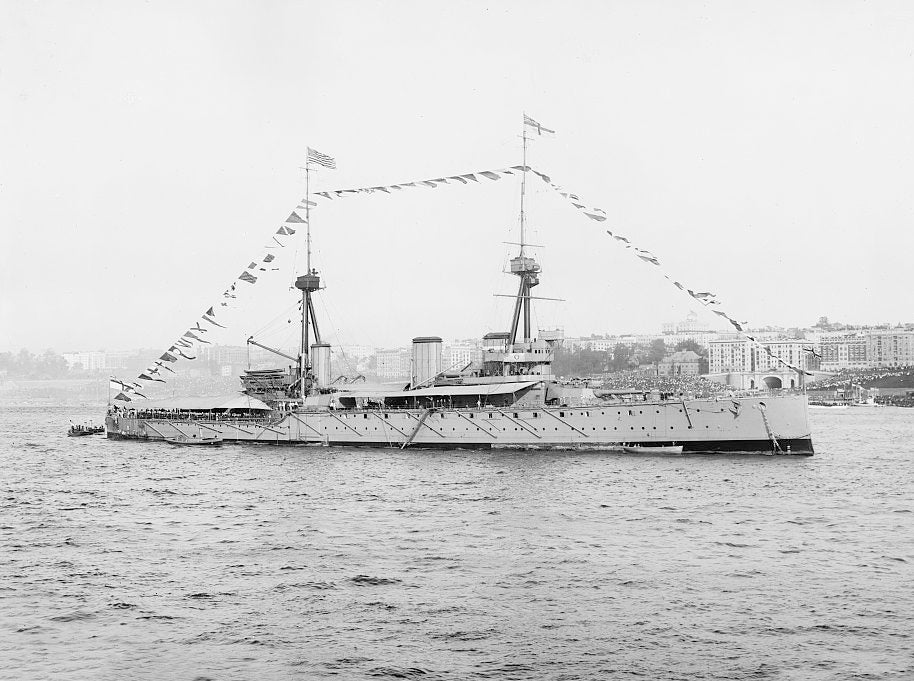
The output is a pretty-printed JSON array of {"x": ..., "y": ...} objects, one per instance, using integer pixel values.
[
  {"x": 539, "y": 128},
  {"x": 321, "y": 159}
]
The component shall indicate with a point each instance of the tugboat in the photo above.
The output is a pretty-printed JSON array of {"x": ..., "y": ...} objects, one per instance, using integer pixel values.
[{"x": 508, "y": 398}]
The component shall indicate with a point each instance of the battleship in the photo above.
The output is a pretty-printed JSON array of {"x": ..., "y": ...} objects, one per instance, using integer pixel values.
[{"x": 509, "y": 397}]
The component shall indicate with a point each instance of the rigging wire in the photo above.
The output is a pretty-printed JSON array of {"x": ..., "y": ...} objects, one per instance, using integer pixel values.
[
  {"x": 339, "y": 338},
  {"x": 274, "y": 320},
  {"x": 328, "y": 300}
]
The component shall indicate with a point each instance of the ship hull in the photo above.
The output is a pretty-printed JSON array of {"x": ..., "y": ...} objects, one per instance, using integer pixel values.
[{"x": 778, "y": 424}]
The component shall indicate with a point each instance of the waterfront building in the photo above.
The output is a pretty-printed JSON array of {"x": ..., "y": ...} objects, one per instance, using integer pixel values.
[
  {"x": 356, "y": 352},
  {"x": 119, "y": 359},
  {"x": 556, "y": 337},
  {"x": 608, "y": 343},
  {"x": 890, "y": 348},
  {"x": 682, "y": 363},
  {"x": 393, "y": 363},
  {"x": 90, "y": 362},
  {"x": 459, "y": 354},
  {"x": 700, "y": 337},
  {"x": 599, "y": 344},
  {"x": 742, "y": 364},
  {"x": 842, "y": 350},
  {"x": 691, "y": 324},
  {"x": 225, "y": 355}
]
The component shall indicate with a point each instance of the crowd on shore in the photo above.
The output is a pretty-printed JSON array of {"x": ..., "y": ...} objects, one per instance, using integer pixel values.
[
  {"x": 697, "y": 386},
  {"x": 895, "y": 400},
  {"x": 876, "y": 377}
]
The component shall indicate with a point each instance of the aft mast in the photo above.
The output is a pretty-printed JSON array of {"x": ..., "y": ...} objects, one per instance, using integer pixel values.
[
  {"x": 523, "y": 266},
  {"x": 516, "y": 352}
]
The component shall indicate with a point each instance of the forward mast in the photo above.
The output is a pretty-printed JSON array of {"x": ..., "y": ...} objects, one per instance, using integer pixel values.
[{"x": 314, "y": 358}]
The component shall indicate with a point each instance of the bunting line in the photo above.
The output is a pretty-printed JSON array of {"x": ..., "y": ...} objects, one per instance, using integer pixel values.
[
  {"x": 593, "y": 213},
  {"x": 705, "y": 298},
  {"x": 286, "y": 230}
]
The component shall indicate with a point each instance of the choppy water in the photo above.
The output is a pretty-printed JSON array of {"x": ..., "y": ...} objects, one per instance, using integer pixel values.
[{"x": 146, "y": 561}]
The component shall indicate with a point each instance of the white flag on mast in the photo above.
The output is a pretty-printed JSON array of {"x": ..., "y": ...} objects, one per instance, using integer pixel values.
[{"x": 540, "y": 129}]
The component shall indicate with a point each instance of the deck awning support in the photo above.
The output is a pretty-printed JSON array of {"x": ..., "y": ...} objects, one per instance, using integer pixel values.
[
  {"x": 566, "y": 423},
  {"x": 481, "y": 427},
  {"x": 521, "y": 424}
]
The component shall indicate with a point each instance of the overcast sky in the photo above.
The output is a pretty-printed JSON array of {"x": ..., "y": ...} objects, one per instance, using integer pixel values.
[{"x": 148, "y": 151}]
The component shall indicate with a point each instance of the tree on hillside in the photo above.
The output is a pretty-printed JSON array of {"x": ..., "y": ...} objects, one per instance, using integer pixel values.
[
  {"x": 695, "y": 347},
  {"x": 29, "y": 366},
  {"x": 657, "y": 351},
  {"x": 580, "y": 362},
  {"x": 621, "y": 357}
]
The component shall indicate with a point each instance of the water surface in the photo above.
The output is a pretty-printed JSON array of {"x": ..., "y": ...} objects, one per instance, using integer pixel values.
[{"x": 148, "y": 561}]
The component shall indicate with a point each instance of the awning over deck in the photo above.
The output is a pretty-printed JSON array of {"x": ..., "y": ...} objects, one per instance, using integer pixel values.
[
  {"x": 216, "y": 403},
  {"x": 481, "y": 389},
  {"x": 347, "y": 389}
]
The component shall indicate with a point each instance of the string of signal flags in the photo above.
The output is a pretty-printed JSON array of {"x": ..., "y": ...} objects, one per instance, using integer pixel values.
[{"x": 193, "y": 338}]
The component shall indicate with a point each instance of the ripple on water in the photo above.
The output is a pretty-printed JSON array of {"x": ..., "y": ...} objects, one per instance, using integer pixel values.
[{"x": 367, "y": 580}]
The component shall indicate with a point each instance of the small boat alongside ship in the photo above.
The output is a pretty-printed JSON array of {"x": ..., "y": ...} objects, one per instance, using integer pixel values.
[
  {"x": 193, "y": 440},
  {"x": 84, "y": 430},
  {"x": 653, "y": 451}
]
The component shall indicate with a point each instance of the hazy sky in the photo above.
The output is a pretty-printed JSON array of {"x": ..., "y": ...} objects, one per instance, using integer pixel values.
[{"x": 764, "y": 151}]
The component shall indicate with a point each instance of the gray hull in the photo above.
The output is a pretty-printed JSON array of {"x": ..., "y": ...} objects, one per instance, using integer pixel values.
[{"x": 777, "y": 424}]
